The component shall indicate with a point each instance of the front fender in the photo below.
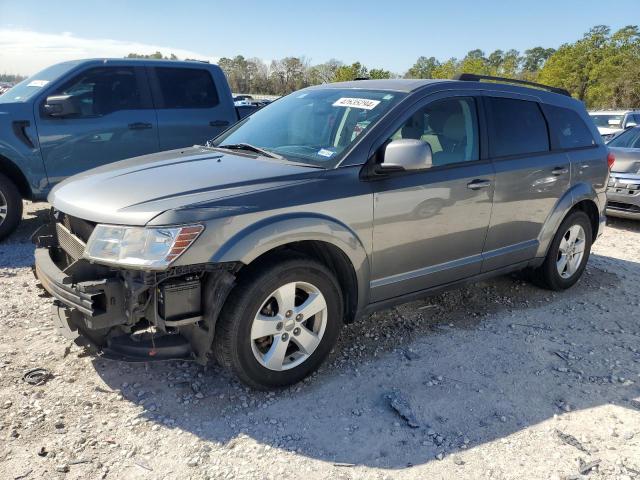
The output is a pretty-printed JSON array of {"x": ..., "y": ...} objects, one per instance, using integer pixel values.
[
  {"x": 268, "y": 234},
  {"x": 577, "y": 193}
]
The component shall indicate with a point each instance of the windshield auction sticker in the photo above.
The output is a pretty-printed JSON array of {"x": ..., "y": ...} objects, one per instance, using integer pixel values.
[
  {"x": 363, "y": 103},
  {"x": 37, "y": 83}
]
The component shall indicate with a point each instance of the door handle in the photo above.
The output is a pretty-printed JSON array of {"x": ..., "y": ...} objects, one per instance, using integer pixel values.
[
  {"x": 478, "y": 184},
  {"x": 139, "y": 126},
  {"x": 218, "y": 123},
  {"x": 559, "y": 171}
]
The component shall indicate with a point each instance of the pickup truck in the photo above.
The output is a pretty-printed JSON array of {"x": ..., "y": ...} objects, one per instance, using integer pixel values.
[{"x": 81, "y": 114}]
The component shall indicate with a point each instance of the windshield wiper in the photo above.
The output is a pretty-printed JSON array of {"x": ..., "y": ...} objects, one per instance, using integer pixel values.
[{"x": 252, "y": 148}]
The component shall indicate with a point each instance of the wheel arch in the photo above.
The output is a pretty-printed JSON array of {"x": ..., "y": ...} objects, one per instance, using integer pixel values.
[
  {"x": 581, "y": 197},
  {"x": 13, "y": 173},
  {"x": 322, "y": 238}
]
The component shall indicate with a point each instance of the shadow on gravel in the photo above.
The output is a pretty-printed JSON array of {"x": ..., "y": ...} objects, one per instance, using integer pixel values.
[{"x": 470, "y": 366}]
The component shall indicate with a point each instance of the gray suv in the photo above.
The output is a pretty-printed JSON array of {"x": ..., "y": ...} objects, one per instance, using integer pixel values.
[{"x": 328, "y": 204}]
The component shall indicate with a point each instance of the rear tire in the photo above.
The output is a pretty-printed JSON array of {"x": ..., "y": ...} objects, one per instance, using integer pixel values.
[
  {"x": 10, "y": 207},
  {"x": 568, "y": 254},
  {"x": 297, "y": 304}
]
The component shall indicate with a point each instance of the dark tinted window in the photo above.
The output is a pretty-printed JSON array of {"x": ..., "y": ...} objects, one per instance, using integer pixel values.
[
  {"x": 568, "y": 128},
  {"x": 100, "y": 91},
  {"x": 449, "y": 126},
  {"x": 518, "y": 127},
  {"x": 186, "y": 88}
]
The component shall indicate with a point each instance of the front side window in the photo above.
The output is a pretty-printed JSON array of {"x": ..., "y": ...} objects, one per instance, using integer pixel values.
[
  {"x": 570, "y": 130},
  {"x": 449, "y": 126},
  {"x": 627, "y": 139},
  {"x": 186, "y": 88},
  {"x": 518, "y": 127},
  {"x": 104, "y": 90},
  {"x": 314, "y": 126}
]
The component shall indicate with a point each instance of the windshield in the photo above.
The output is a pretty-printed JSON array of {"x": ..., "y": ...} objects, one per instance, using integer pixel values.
[
  {"x": 607, "y": 121},
  {"x": 26, "y": 89},
  {"x": 313, "y": 126},
  {"x": 627, "y": 139}
]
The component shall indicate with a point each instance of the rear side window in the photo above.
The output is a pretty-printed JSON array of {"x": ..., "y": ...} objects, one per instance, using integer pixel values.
[
  {"x": 518, "y": 127},
  {"x": 186, "y": 88},
  {"x": 104, "y": 90},
  {"x": 569, "y": 129}
]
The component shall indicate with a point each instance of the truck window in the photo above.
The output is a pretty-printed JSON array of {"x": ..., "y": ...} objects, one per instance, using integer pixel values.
[
  {"x": 186, "y": 88},
  {"x": 569, "y": 129},
  {"x": 518, "y": 127},
  {"x": 100, "y": 91}
]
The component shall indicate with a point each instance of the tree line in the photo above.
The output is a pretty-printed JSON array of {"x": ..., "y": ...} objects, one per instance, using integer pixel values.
[{"x": 602, "y": 69}]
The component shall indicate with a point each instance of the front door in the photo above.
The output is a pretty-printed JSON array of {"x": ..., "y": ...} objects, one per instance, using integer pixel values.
[
  {"x": 430, "y": 226},
  {"x": 115, "y": 120}
]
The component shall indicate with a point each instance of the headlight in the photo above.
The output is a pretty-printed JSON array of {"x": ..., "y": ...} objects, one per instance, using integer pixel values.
[{"x": 141, "y": 247}]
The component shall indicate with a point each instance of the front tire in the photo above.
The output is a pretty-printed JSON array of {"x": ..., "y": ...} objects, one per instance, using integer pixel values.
[
  {"x": 280, "y": 322},
  {"x": 568, "y": 254},
  {"x": 10, "y": 207}
]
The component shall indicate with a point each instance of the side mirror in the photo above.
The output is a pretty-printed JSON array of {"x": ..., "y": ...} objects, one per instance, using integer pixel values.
[
  {"x": 61, "y": 106},
  {"x": 406, "y": 155},
  {"x": 631, "y": 124}
]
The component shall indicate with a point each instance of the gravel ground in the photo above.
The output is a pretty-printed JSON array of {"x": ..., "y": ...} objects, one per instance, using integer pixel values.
[{"x": 498, "y": 380}]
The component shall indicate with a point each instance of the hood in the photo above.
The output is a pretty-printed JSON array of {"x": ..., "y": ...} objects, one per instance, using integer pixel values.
[
  {"x": 627, "y": 160},
  {"x": 134, "y": 191}
]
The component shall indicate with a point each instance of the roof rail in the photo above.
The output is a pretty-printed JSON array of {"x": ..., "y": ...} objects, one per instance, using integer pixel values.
[
  {"x": 472, "y": 77},
  {"x": 362, "y": 78}
]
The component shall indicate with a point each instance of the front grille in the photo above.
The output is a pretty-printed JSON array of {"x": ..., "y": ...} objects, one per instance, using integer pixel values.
[
  {"x": 80, "y": 228},
  {"x": 71, "y": 244}
]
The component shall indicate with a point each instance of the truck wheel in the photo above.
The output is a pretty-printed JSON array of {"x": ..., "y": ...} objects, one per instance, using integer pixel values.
[
  {"x": 568, "y": 254},
  {"x": 10, "y": 207},
  {"x": 280, "y": 322}
]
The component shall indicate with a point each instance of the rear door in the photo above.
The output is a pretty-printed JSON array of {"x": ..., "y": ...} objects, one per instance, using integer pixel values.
[
  {"x": 115, "y": 121},
  {"x": 188, "y": 105},
  {"x": 530, "y": 178}
]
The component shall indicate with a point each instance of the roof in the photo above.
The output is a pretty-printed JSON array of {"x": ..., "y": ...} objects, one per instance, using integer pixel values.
[{"x": 395, "y": 84}]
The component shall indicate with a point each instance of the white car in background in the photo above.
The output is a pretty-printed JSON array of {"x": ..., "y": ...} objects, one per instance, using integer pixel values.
[{"x": 612, "y": 122}]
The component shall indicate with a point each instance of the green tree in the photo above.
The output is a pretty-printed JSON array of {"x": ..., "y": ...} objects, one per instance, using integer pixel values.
[
  {"x": 350, "y": 72},
  {"x": 423, "y": 68}
]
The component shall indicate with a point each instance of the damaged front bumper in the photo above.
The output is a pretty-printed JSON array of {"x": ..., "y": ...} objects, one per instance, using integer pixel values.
[
  {"x": 623, "y": 195},
  {"x": 126, "y": 313}
]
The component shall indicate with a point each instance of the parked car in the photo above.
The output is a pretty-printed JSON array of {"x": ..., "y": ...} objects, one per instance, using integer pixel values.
[
  {"x": 242, "y": 100},
  {"x": 612, "y": 122},
  {"x": 332, "y": 202},
  {"x": 78, "y": 115},
  {"x": 623, "y": 192}
]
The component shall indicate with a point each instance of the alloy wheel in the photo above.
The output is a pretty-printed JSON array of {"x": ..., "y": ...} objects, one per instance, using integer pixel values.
[
  {"x": 4, "y": 208},
  {"x": 571, "y": 251},
  {"x": 289, "y": 326}
]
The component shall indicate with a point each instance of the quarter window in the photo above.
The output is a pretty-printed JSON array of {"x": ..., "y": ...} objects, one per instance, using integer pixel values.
[
  {"x": 518, "y": 127},
  {"x": 186, "y": 88},
  {"x": 449, "y": 126},
  {"x": 100, "y": 91},
  {"x": 570, "y": 131}
]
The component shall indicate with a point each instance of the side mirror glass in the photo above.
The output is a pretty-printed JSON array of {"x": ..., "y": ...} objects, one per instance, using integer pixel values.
[
  {"x": 631, "y": 124},
  {"x": 61, "y": 106},
  {"x": 406, "y": 155}
]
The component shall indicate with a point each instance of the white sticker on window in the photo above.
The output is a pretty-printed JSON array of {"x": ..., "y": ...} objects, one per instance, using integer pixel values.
[
  {"x": 37, "y": 83},
  {"x": 323, "y": 152},
  {"x": 363, "y": 103}
]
